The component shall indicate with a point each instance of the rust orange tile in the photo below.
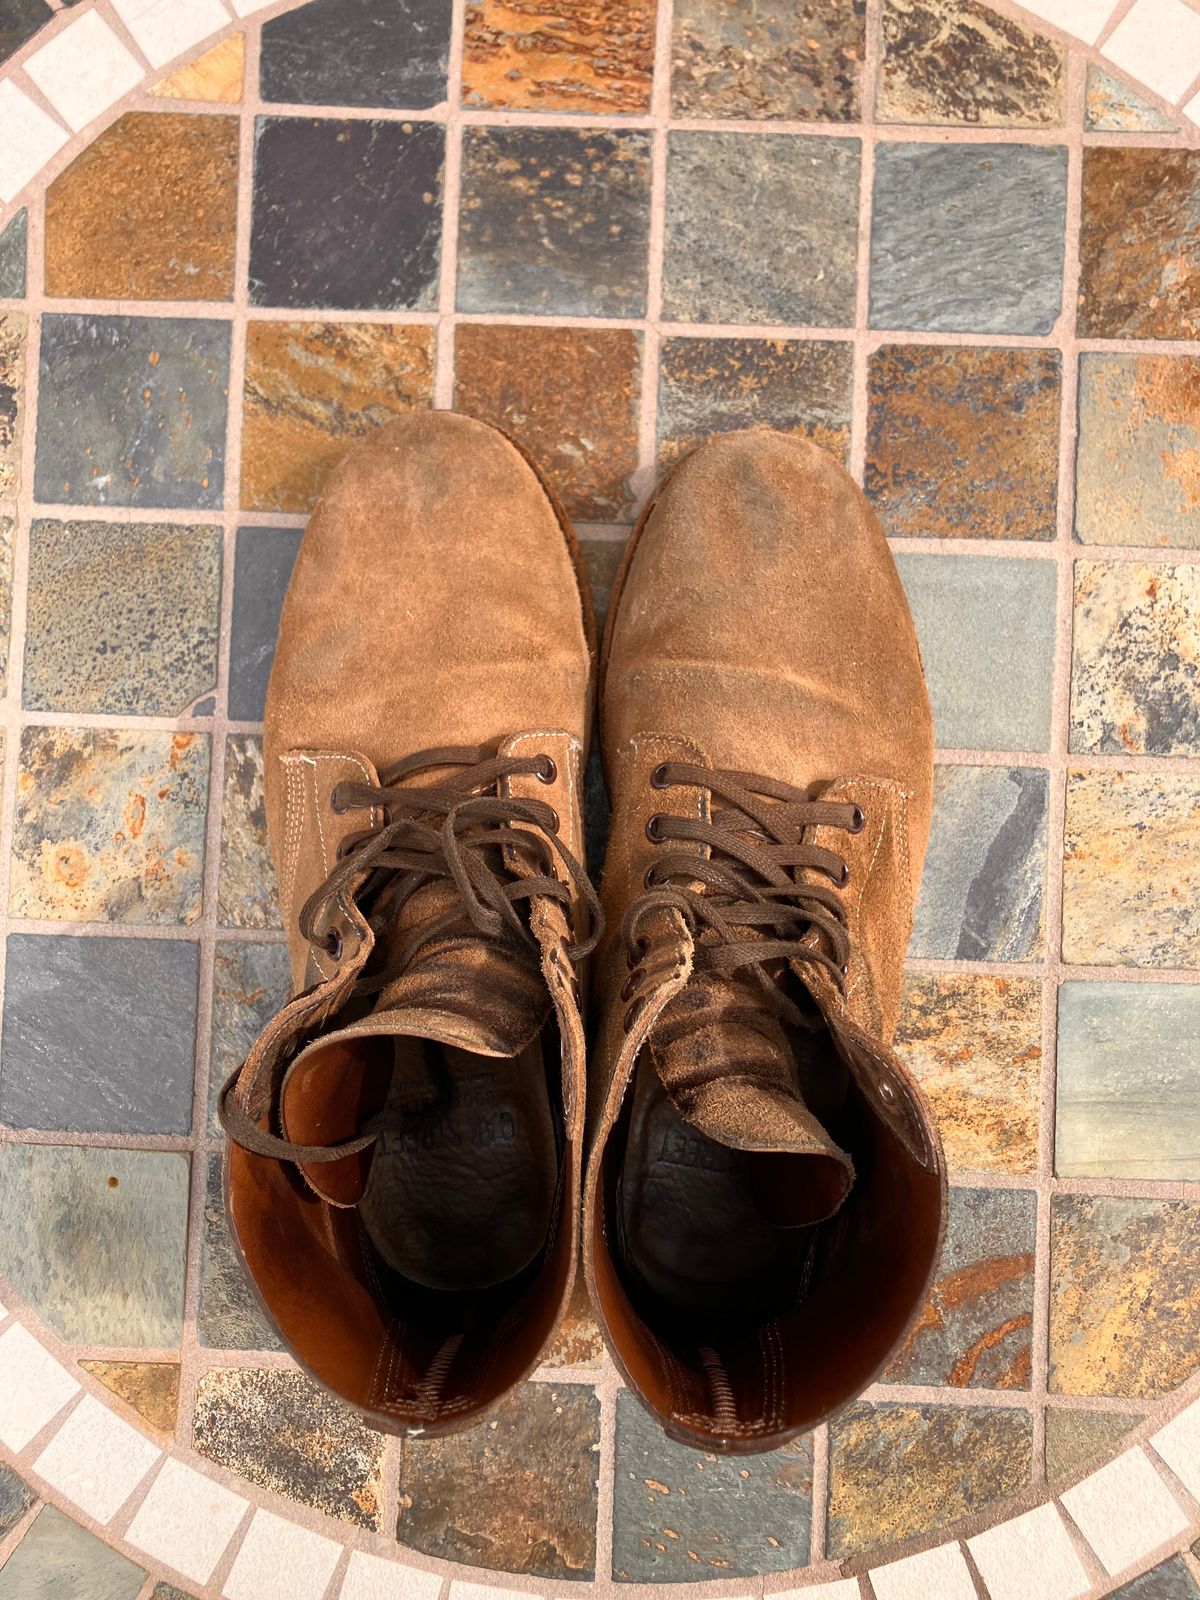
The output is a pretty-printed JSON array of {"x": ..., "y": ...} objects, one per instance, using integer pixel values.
[{"x": 559, "y": 55}]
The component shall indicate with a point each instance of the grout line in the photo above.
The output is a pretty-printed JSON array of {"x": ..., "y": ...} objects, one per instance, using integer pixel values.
[
  {"x": 443, "y": 381},
  {"x": 656, "y": 249}
]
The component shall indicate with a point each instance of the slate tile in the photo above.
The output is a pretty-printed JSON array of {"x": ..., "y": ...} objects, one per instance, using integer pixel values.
[
  {"x": 94, "y": 1240},
  {"x": 148, "y": 211},
  {"x": 230, "y": 1317},
  {"x": 567, "y": 55},
  {"x": 110, "y": 826},
  {"x": 1170, "y": 1580},
  {"x": 1112, "y": 106},
  {"x": 959, "y": 63},
  {"x": 1075, "y": 1439},
  {"x": 59, "y": 1560},
  {"x": 986, "y": 627},
  {"x": 456, "y": 1499},
  {"x": 12, "y": 400},
  {"x": 1131, "y": 869},
  {"x": 287, "y": 1434},
  {"x": 122, "y": 617},
  {"x": 1137, "y": 470},
  {"x": 132, "y": 411},
  {"x": 974, "y": 1331},
  {"x": 99, "y": 1034},
  {"x": 968, "y": 238},
  {"x": 569, "y": 395},
  {"x": 764, "y": 59},
  {"x": 1139, "y": 235},
  {"x": 388, "y": 53},
  {"x": 311, "y": 389},
  {"x": 218, "y": 76},
  {"x": 555, "y": 221},
  {"x": 680, "y": 1514},
  {"x": 246, "y": 892},
  {"x": 346, "y": 215},
  {"x": 985, "y": 869},
  {"x": 1135, "y": 672},
  {"x": 19, "y": 21},
  {"x": 151, "y": 1388},
  {"x": 251, "y": 982},
  {"x": 602, "y": 558},
  {"x": 963, "y": 441},
  {"x": 14, "y": 240},
  {"x": 975, "y": 1046},
  {"x": 262, "y": 567},
  {"x": 898, "y": 1470},
  {"x": 1124, "y": 1307},
  {"x": 786, "y": 255},
  {"x": 7, "y": 532},
  {"x": 708, "y": 386},
  {"x": 1128, "y": 1100},
  {"x": 16, "y": 1497}
]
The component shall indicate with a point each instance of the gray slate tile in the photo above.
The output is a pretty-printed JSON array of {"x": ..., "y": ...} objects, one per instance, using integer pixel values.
[
  {"x": 1170, "y": 1580},
  {"x": 230, "y": 1318},
  {"x": 250, "y": 984},
  {"x": 16, "y": 1497},
  {"x": 261, "y": 569},
  {"x": 59, "y": 1560},
  {"x": 13, "y": 245},
  {"x": 388, "y": 53}
]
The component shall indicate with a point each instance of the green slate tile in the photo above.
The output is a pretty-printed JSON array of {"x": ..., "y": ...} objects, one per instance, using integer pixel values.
[{"x": 59, "y": 1560}]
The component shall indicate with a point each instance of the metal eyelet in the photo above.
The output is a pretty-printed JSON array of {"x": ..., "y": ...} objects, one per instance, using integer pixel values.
[
  {"x": 860, "y": 821},
  {"x": 886, "y": 1093},
  {"x": 335, "y": 805},
  {"x": 654, "y": 828},
  {"x": 845, "y": 876},
  {"x": 634, "y": 958},
  {"x": 334, "y": 944},
  {"x": 634, "y": 1012},
  {"x": 553, "y": 820},
  {"x": 658, "y": 778},
  {"x": 650, "y": 881},
  {"x": 548, "y": 773},
  {"x": 631, "y": 985}
]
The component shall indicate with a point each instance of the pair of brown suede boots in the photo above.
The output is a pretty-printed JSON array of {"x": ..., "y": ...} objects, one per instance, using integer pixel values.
[{"x": 764, "y": 1193}]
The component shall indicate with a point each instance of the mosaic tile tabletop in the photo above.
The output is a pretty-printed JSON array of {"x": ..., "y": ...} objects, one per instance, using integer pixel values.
[{"x": 958, "y": 245}]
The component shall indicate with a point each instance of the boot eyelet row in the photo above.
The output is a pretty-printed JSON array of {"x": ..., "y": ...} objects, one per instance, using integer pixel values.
[{"x": 654, "y": 828}]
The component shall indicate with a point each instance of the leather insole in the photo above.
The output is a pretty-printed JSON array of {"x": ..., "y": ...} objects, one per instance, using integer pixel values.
[{"x": 461, "y": 1189}]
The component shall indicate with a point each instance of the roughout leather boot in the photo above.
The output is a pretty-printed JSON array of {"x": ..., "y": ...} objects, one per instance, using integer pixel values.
[
  {"x": 765, "y": 1194},
  {"x": 404, "y": 1166}
]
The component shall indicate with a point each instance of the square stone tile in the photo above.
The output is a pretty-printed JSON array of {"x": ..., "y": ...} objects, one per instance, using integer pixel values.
[
  {"x": 357, "y": 53},
  {"x": 218, "y": 76},
  {"x": 96, "y": 1459},
  {"x": 554, "y": 221},
  {"x": 968, "y": 238},
  {"x": 19, "y": 21},
  {"x": 1135, "y": 672},
  {"x": 1137, "y": 469},
  {"x": 122, "y": 617},
  {"x": 278, "y": 1560},
  {"x": 1140, "y": 225},
  {"x": 35, "y": 1386},
  {"x": 1170, "y": 1580},
  {"x": 147, "y": 212},
  {"x": 230, "y": 1317},
  {"x": 29, "y": 138},
  {"x": 963, "y": 441},
  {"x": 380, "y": 1578},
  {"x": 1131, "y": 869},
  {"x": 1157, "y": 42},
  {"x": 164, "y": 29},
  {"x": 347, "y": 215},
  {"x": 985, "y": 869},
  {"x": 974, "y": 1331},
  {"x": 262, "y": 569},
  {"x": 99, "y": 1034},
  {"x": 1124, "y": 1311},
  {"x": 761, "y": 228},
  {"x": 12, "y": 400},
  {"x": 1125, "y": 1511},
  {"x": 291, "y": 1436},
  {"x": 311, "y": 389},
  {"x": 94, "y": 1240},
  {"x": 456, "y": 1499},
  {"x": 251, "y": 982},
  {"x": 1112, "y": 106},
  {"x": 768, "y": 58},
  {"x": 1075, "y": 1439},
  {"x": 975, "y": 1045},
  {"x": 986, "y": 627},
  {"x": 57, "y": 1557},
  {"x": 131, "y": 411},
  {"x": 710, "y": 386},
  {"x": 151, "y": 1388},
  {"x": 569, "y": 56},
  {"x": 1031, "y": 1557},
  {"x": 569, "y": 395},
  {"x": 14, "y": 239},
  {"x": 186, "y": 1521},
  {"x": 246, "y": 891},
  {"x": 897, "y": 1470},
  {"x": 109, "y": 826},
  {"x": 957, "y": 63},
  {"x": 16, "y": 1497}
]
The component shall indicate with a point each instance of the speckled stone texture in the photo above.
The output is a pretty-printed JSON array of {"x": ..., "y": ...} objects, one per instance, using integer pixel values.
[
  {"x": 251, "y": 981},
  {"x": 554, "y": 220},
  {"x": 122, "y": 617},
  {"x": 517, "y": 1495},
  {"x": 1137, "y": 471},
  {"x": 957, "y": 62},
  {"x": 1112, "y": 106},
  {"x": 1135, "y": 672},
  {"x": 570, "y": 396},
  {"x": 974, "y": 1330},
  {"x": 246, "y": 892},
  {"x": 759, "y": 59},
  {"x": 311, "y": 389},
  {"x": 387, "y": 53},
  {"x": 1124, "y": 1308},
  {"x": 99, "y": 1253},
  {"x": 708, "y": 386},
  {"x": 285, "y": 1433},
  {"x": 577, "y": 1341},
  {"x": 151, "y": 1388},
  {"x": 1076, "y": 1438},
  {"x": 1131, "y": 869},
  {"x": 99, "y": 1034},
  {"x": 217, "y": 76},
  {"x": 131, "y": 411},
  {"x": 13, "y": 330},
  {"x": 14, "y": 240},
  {"x": 147, "y": 212},
  {"x": 7, "y": 530},
  {"x": 1139, "y": 239},
  {"x": 110, "y": 825},
  {"x": 986, "y": 628},
  {"x": 761, "y": 229},
  {"x": 16, "y": 1497},
  {"x": 968, "y": 238},
  {"x": 263, "y": 562},
  {"x": 229, "y": 1317},
  {"x": 559, "y": 55},
  {"x": 981, "y": 893},
  {"x": 897, "y": 1470},
  {"x": 681, "y": 1515},
  {"x": 347, "y": 214},
  {"x": 963, "y": 441},
  {"x": 975, "y": 1045},
  {"x": 59, "y": 1560},
  {"x": 1170, "y": 1580}
]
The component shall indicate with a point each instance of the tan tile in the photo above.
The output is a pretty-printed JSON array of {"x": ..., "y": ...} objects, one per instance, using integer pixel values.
[
  {"x": 218, "y": 75},
  {"x": 12, "y": 401},
  {"x": 960, "y": 63},
  {"x": 559, "y": 55},
  {"x": 761, "y": 59},
  {"x": 1076, "y": 1438},
  {"x": 150, "y": 1387}
]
